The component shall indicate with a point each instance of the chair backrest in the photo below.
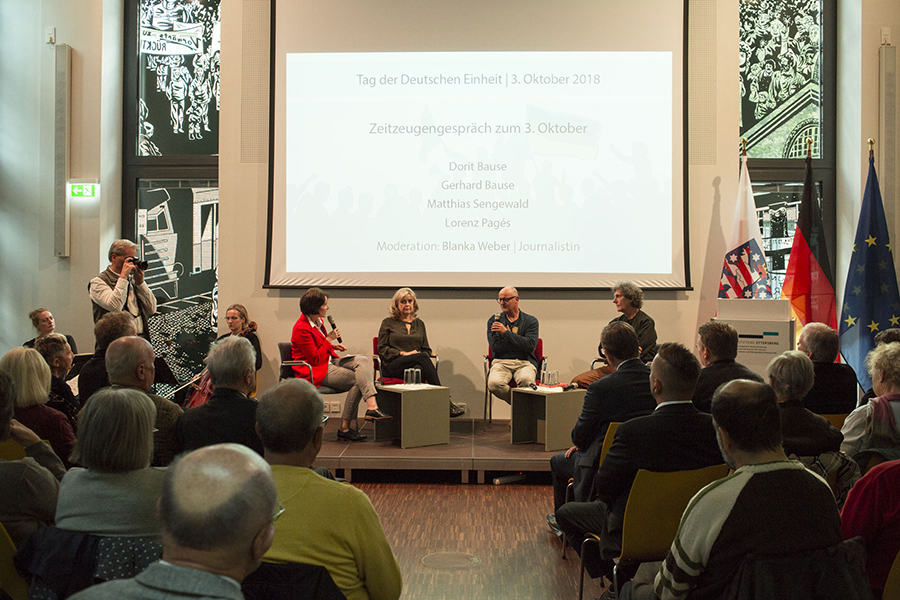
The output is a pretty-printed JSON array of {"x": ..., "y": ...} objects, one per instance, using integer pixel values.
[
  {"x": 655, "y": 505},
  {"x": 608, "y": 440},
  {"x": 837, "y": 420},
  {"x": 287, "y": 581},
  {"x": 10, "y": 581},
  {"x": 284, "y": 352},
  {"x": 375, "y": 346},
  {"x": 11, "y": 450},
  {"x": 892, "y": 584},
  {"x": 838, "y": 571}
]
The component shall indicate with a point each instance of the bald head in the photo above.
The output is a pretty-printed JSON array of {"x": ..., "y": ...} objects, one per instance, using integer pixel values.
[
  {"x": 218, "y": 497},
  {"x": 509, "y": 291},
  {"x": 129, "y": 362}
]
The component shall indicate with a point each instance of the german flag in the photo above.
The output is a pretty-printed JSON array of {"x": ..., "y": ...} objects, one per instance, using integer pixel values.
[{"x": 808, "y": 282}]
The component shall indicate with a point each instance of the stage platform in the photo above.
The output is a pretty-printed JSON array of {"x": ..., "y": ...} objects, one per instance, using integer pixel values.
[{"x": 470, "y": 449}]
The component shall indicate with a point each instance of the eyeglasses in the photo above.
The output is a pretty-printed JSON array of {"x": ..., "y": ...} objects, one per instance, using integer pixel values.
[
  {"x": 324, "y": 419},
  {"x": 510, "y": 299},
  {"x": 278, "y": 512}
]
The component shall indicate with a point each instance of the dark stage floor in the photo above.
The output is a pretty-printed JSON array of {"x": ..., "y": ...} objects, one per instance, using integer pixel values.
[{"x": 470, "y": 449}]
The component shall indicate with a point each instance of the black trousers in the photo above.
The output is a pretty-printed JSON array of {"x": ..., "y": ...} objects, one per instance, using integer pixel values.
[{"x": 419, "y": 360}]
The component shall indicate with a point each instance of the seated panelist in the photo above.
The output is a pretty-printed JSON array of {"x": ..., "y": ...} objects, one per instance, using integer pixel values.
[
  {"x": 403, "y": 342},
  {"x": 310, "y": 342}
]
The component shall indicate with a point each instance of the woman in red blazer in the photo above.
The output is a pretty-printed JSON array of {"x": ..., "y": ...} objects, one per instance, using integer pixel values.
[{"x": 311, "y": 342}]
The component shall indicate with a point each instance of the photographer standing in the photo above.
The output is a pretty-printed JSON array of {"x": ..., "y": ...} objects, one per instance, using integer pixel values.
[{"x": 121, "y": 287}]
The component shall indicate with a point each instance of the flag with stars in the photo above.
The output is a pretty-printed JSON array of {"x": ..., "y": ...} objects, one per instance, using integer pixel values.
[
  {"x": 871, "y": 298},
  {"x": 744, "y": 272},
  {"x": 808, "y": 280}
]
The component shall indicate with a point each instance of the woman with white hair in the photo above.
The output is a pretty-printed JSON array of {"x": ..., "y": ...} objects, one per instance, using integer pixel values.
[
  {"x": 117, "y": 490},
  {"x": 874, "y": 425},
  {"x": 30, "y": 377},
  {"x": 403, "y": 342},
  {"x": 803, "y": 432}
]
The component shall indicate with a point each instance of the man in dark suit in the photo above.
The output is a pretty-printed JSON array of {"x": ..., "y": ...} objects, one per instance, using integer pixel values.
[
  {"x": 620, "y": 396},
  {"x": 835, "y": 389},
  {"x": 717, "y": 346},
  {"x": 675, "y": 437},
  {"x": 229, "y": 416}
]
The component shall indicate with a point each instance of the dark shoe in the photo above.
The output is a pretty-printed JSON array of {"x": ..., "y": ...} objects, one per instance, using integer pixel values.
[
  {"x": 351, "y": 435},
  {"x": 551, "y": 521},
  {"x": 456, "y": 411},
  {"x": 376, "y": 414}
]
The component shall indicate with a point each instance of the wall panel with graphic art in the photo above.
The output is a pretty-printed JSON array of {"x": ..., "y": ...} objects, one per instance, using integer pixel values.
[
  {"x": 178, "y": 99},
  {"x": 170, "y": 196},
  {"x": 178, "y": 235}
]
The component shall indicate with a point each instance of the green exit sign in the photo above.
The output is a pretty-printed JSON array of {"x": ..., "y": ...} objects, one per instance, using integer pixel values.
[{"x": 84, "y": 190}]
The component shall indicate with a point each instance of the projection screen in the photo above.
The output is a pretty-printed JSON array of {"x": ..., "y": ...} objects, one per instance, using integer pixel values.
[{"x": 458, "y": 144}]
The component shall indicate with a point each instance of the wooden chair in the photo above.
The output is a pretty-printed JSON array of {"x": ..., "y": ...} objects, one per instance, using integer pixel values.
[
  {"x": 11, "y": 450},
  {"x": 892, "y": 585},
  {"x": 570, "y": 489},
  {"x": 837, "y": 420},
  {"x": 489, "y": 359},
  {"x": 652, "y": 515},
  {"x": 10, "y": 580}
]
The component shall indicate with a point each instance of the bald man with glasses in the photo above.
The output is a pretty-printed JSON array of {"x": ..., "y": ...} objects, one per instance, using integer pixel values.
[{"x": 512, "y": 336}]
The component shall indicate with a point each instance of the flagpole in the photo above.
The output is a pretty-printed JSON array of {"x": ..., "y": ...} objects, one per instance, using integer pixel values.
[
  {"x": 809, "y": 147},
  {"x": 744, "y": 147},
  {"x": 871, "y": 147}
]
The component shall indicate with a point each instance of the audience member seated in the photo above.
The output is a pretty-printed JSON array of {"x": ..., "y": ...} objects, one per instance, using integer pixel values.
[
  {"x": 117, "y": 491},
  {"x": 675, "y": 437},
  {"x": 239, "y": 324},
  {"x": 28, "y": 487},
  {"x": 803, "y": 432},
  {"x": 769, "y": 505},
  {"x": 353, "y": 374},
  {"x": 30, "y": 377},
  {"x": 717, "y": 348},
  {"x": 216, "y": 511},
  {"x": 325, "y": 522},
  {"x": 623, "y": 395},
  {"x": 629, "y": 300},
  {"x": 882, "y": 337},
  {"x": 109, "y": 328},
  {"x": 230, "y": 415},
  {"x": 130, "y": 364},
  {"x": 872, "y": 511},
  {"x": 874, "y": 425},
  {"x": 43, "y": 321},
  {"x": 58, "y": 355},
  {"x": 403, "y": 342},
  {"x": 835, "y": 390}
]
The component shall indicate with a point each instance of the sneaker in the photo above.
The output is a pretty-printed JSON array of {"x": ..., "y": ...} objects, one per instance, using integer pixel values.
[
  {"x": 376, "y": 414},
  {"x": 351, "y": 435},
  {"x": 456, "y": 411}
]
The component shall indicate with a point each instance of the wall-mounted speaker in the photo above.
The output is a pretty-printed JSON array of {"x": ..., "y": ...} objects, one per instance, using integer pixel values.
[{"x": 62, "y": 131}]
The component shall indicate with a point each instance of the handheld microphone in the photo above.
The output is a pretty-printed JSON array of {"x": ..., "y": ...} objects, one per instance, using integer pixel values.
[
  {"x": 496, "y": 318},
  {"x": 533, "y": 386},
  {"x": 333, "y": 327},
  {"x": 570, "y": 386}
]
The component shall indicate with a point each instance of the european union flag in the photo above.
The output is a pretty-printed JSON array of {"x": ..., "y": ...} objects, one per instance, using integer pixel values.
[{"x": 871, "y": 298}]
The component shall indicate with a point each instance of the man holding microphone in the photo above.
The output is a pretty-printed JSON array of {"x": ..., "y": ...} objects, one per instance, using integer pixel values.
[{"x": 512, "y": 336}]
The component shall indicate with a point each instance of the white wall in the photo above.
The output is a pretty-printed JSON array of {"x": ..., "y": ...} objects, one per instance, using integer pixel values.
[
  {"x": 31, "y": 275},
  {"x": 570, "y": 322}
]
